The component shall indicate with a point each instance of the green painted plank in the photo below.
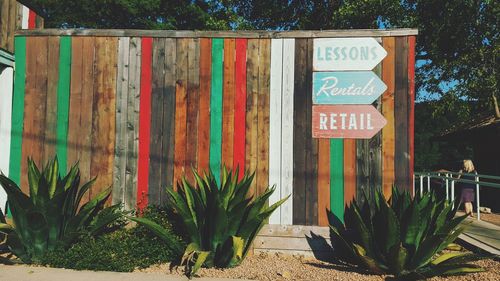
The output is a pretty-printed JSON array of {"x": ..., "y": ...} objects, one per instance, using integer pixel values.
[
  {"x": 63, "y": 86},
  {"x": 337, "y": 177},
  {"x": 216, "y": 107},
  {"x": 16, "y": 140}
]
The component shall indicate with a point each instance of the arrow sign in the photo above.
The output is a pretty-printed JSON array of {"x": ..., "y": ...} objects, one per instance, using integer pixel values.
[
  {"x": 360, "y": 87},
  {"x": 347, "y": 54},
  {"x": 346, "y": 121}
]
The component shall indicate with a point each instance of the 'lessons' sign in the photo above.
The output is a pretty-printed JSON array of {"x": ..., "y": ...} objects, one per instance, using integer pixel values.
[
  {"x": 346, "y": 121},
  {"x": 360, "y": 87},
  {"x": 346, "y": 54}
]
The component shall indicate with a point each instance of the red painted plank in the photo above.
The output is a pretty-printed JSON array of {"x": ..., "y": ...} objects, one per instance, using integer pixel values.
[
  {"x": 144, "y": 122},
  {"x": 240, "y": 102},
  {"x": 31, "y": 19},
  {"x": 349, "y": 171},
  {"x": 411, "y": 104}
]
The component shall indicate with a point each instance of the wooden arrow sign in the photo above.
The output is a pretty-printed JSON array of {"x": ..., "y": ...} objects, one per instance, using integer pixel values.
[
  {"x": 347, "y": 54},
  {"x": 346, "y": 121},
  {"x": 348, "y": 87}
]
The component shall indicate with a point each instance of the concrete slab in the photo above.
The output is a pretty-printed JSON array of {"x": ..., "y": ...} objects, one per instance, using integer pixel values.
[{"x": 27, "y": 273}]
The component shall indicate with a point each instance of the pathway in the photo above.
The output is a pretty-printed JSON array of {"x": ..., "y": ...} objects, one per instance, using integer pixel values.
[{"x": 483, "y": 235}]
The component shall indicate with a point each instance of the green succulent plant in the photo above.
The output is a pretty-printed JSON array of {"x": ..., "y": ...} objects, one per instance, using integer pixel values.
[
  {"x": 220, "y": 221},
  {"x": 403, "y": 236},
  {"x": 51, "y": 215}
]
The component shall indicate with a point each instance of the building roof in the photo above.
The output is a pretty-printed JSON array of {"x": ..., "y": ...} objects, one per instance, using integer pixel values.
[{"x": 481, "y": 122}]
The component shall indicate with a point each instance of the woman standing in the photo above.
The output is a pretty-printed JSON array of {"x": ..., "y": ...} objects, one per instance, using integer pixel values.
[{"x": 467, "y": 195}]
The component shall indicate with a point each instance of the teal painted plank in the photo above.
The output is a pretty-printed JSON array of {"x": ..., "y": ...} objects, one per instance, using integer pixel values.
[
  {"x": 337, "y": 177},
  {"x": 63, "y": 86},
  {"x": 216, "y": 107},
  {"x": 16, "y": 140}
]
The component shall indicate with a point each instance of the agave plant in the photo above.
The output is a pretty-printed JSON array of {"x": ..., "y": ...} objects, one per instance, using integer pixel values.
[
  {"x": 221, "y": 222},
  {"x": 50, "y": 215},
  {"x": 404, "y": 236}
]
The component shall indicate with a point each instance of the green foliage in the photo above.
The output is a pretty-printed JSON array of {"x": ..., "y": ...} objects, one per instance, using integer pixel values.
[
  {"x": 51, "y": 215},
  {"x": 220, "y": 221},
  {"x": 123, "y": 250},
  {"x": 403, "y": 236}
]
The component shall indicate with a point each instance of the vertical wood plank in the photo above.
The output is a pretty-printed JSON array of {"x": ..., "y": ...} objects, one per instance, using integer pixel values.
[
  {"x": 181, "y": 109},
  {"x": 103, "y": 122},
  {"x": 156, "y": 160},
  {"x": 132, "y": 132},
  {"x": 204, "y": 108},
  {"x": 7, "y": 79},
  {"x": 18, "y": 111},
  {"x": 75, "y": 137},
  {"x": 323, "y": 181},
  {"x": 411, "y": 107},
  {"x": 263, "y": 115},
  {"x": 4, "y": 23},
  {"x": 193, "y": 101},
  {"x": 275, "y": 125},
  {"x": 300, "y": 133},
  {"x": 401, "y": 157},
  {"x": 251, "y": 110},
  {"x": 240, "y": 101},
  {"x": 168, "y": 139},
  {"x": 349, "y": 170},
  {"x": 34, "y": 107},
  {"x": 31, "y": 19},
  {"x": 312, "y": 153},
  {"x": 216, "y": 107},
  {"x": 63, "y": 96},
  {"x": 337, "y": 177},
  {"x": 12, "y": 25},
  {"x": 52, "y": 81},
  {"x": 375, "y": 150},
  {"x": 145, "y": 122},
  {"x": 228, "y": 103},
  {"x": 120, "y": 165},
  {"x": 388, "y": 137},
  {"x": 287, "y": 130},
  {"x": 363, "y": 168}
]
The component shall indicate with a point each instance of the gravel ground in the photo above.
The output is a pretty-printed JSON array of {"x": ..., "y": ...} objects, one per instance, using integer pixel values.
[{"x": 281, "y": 267}]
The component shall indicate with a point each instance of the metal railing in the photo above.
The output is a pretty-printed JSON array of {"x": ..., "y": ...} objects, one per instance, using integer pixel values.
[{"x": 450, "y": 178}]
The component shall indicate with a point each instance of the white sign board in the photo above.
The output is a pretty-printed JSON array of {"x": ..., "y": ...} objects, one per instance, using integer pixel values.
[{"x": 332, "y": 54}]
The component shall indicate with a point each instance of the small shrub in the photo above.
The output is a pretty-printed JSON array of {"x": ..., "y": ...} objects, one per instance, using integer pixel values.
[
  {"x": 404, "y": 236},
  {"x": 123, "y": 250},
  {"x": 51, "y": 215},
  {"x": 220, "y": 221}
]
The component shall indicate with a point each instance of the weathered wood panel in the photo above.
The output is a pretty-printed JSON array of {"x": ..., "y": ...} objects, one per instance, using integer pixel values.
[
  {"x": 401, "y": 156},
  {"x": 193, "y": 101},
  {"x": 204, "y": 106},
  {"x": 228, "y": 103},
  {"x": 350, "y": 187},
  {"x": 51, "y": 114},
  {"x": 262, "y": 170},
  {"x": 240, "y": 101},
  {"x": 157, "y": 161},
  {"x": 252, "y": 109},
  {"x": 104, "y": 108},
  {"x": 216, "y": 93},
  {"x": 323, "y": 181},
  {"x": 181, "y": 109},
  {"x": 388, "y": 136},
  {"x": 411, "y": 108}
]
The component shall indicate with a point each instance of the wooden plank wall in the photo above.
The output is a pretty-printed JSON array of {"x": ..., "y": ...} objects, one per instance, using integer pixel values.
[
  {"x": 14, "y": 16},
  {"x": 141, "y": 112}
]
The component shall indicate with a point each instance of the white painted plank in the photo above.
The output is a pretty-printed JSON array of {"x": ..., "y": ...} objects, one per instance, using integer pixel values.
[
  {"x": 287, "y": 130},
  {"x": 121, "y": 121},
  {"x": 275, "y": 126},
  {"x": 24, "y": 20},
  {"x": 6, "y": 80}
]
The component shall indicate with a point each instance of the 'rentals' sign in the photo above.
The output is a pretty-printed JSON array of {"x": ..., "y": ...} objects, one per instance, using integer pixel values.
[
  {"x": 346, "y": 121},
  {"x": 332, "y": 54},
  {"x": 346, "y": 87}
]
